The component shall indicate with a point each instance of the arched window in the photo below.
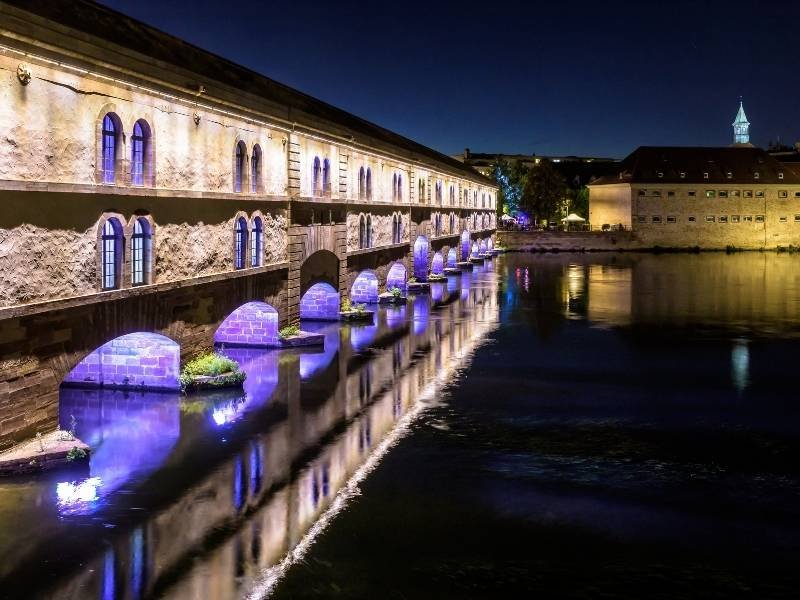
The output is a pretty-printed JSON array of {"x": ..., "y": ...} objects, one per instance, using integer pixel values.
[
  {"x": 369, "y": 231},
  {"x": 315, "y": 178},
  {"x": 438, "y": 224},
  {"x": 112, "y": 132},
  {"x": 241, "y": 243},
  {"x": 369, "y": 183},
  {"x": 394, "y": 187},
  {"x": 362, "y": 184},
  {"x": 452, "y": 223},
  {"x": 399, "y": 187},
  {"x": 475, "y": 198},
  {"x": 255, "y": 170},
  {"x": 140, "y": 153},
  {"x": 141, "y": 252},
  {"x": 326, "y": 177},
  {"x": 452, "y": 196},
  {"x": 238, "y": 168},
  {"x": 257, "y": 243},
  {"x": 394, "y": 229},
  {"x": 362, "y": 232},
  {"x": 112, "y": 253}
]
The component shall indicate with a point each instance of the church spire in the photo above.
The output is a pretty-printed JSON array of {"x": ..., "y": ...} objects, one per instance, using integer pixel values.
[{"x": 741, "y": 126}]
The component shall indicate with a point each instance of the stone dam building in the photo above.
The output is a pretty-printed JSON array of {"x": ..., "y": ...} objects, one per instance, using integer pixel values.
[{"x": 158, "y": 199}]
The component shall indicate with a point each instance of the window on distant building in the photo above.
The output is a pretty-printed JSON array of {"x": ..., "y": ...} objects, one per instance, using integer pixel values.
[
  {"x": 783, "y": 194},
  {"x": 692, "y": 193},
  {"x": 723, "y": 193},
  {"x": 691, "y": 219},
  {"x": 710, "y": 193},
  {"x": 657, "y": 219},
  {"x": 734, "y": 218},
  {"x": 642, "y": 219},
  {"x": 735, "y": 193},
  {"x": 759, "y": 218},
  {"x": 642, "y": 192},
  {"x": 747, "y": 193},
  {"x": 797, "y": 218},
  {"x": 723, "y": 218},
  {"x": 656, "y": 193},
  {"x": 671, "y": 220},
  {"x": 797, "y": 194},
  {"x": 670, "y": 194},
  {"x": 747, "y": 218},
  {"x": 759, "y": 193},
  {"x": 705, "y": 175},
  {"x": 709, "y": 219},
  {"x": 783, "y": 219}
]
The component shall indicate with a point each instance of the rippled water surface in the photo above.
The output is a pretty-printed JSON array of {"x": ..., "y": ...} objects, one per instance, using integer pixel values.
[{"x": 552, "y": 425}]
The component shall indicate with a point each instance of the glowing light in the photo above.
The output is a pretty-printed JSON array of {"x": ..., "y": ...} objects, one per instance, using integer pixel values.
[{"x": 70, "y": 492}]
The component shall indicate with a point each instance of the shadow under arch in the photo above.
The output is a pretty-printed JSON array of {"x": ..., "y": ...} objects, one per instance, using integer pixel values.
[{"x": 321, "y": 266}]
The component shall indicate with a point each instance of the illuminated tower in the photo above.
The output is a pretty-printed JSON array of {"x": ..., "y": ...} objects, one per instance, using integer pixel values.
[{"x": 741, "y": 127}]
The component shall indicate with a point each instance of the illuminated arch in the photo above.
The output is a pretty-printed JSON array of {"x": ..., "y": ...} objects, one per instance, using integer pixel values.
[
  {"x": 396, "y": 278},
  {"x": 465, "y": 245},
  {"x": 437, "y": 264},
  {"x": 365, "y": 288},
  {"x": 253, "y": 324},
  {"x": 141, "y": 360},
  {"x": 452, "y": 258},
  {"x": 320, "y": 303},
  {"x": 421, "y": 247}
]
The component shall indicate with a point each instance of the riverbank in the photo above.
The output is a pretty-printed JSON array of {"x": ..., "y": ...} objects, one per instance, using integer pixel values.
[{"x": 604, "y": 241}]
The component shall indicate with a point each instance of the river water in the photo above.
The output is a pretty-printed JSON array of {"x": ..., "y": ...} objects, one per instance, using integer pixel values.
[{"x": 561, "y": 425}]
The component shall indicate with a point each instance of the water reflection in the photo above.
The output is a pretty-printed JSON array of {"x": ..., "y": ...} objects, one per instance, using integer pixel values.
[
  {"x": 740, "y": 365},
  {"x": 202, "y": 496}
]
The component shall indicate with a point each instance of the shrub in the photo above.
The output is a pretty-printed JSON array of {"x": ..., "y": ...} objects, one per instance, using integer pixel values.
[
  {"x": 289, "y": 331},
  {"x": 211, "y": 364},
  {"x": 360, "y": 308},
  {"x": 347, "y": 306},
  {"x": 412, "y": 280},
  {"x": 76, "y": 453},
  {"x": 396, "y": 292}
]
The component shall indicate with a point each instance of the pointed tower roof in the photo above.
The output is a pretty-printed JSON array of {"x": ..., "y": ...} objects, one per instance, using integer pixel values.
[{"x": 741, "y": 118}]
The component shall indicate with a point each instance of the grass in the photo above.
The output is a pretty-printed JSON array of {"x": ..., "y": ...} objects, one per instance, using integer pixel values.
[
  {"x": 289, "y": 331},
  {"x": 211, "y": 364},
  {"x": 396, "y": 292}
]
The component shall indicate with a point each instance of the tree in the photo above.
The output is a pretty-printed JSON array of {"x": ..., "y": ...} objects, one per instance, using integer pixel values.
[
  {"x": 579, "y": 202},
  {"x": 510, "y": 179},
  {"x": 544, "y": 191}
]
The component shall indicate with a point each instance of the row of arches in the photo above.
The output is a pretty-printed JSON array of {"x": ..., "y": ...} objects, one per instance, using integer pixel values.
[
  {"x": 248, "y": 242},
  {"x": 114, "y": 237},
  {"x": 113, "y": 156},
  {"x": 247, "y": 169}
]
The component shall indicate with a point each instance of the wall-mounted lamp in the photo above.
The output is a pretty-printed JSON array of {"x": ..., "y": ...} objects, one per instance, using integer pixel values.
[{"x": 24, "y": 74}]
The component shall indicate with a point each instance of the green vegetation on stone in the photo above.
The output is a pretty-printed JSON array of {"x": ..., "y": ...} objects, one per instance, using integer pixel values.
[
  {"x": 289, "y": 331},
  {"x": 223, "y": 370}
]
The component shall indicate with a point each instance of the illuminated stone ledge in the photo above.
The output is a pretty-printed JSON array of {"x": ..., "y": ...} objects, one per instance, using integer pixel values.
[
  {"x": 418, "y": 287},
  {"x": 360, "y": 316},
  {"x": 28, "y": 457},
  {"x": 465, "y": 265},
  {"x": 453, "y": 270},
  {"x": 389, "y": 298},
  {"x": 303, "y": 338}
]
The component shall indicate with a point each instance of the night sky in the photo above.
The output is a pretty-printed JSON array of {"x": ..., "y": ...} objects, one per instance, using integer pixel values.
[{"x": 588, "y": 78}]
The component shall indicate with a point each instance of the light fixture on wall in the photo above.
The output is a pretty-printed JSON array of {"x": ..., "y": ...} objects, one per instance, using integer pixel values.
[{"x": 24, "y": 74}]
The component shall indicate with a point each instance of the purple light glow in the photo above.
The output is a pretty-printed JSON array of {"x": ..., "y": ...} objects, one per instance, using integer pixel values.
[
  {"x": 396, "y": 278},
  {"x": 475, "y": 249},
  {"x": 422, "y": 311},
  {"x": 313, "y": 362},
  {"x": 261, "y": 367},
  {"x": 133, "y": 361},
  {"x": 396, "y": 316},
  {"x": 464, "y": 245},
  {"x": 361, "y": 336},
  {"x": 421, "y": 258},
  {"x": 365, "y": 288},
  {"x": 489, "y": 244},
  {"x": 320, "y": 303},
  {"x": 437, "y": 264},
  {"x": 253, "y": 324},
  {"x": 482, "y": 246},
  {"x": 452, "y": 258},
  {"x": 437, "y": 292}
]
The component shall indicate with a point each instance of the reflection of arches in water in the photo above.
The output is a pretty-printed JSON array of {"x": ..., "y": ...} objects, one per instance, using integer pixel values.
[
  {"x": 437, "y": 264},
  {"x": 466, "y": 284},
  {"x": 452, "y": 285},
  {"x": 314, "y": 362},
  {"x": 421, "y": 258},
  {"x": 320, "y": 303},
  {"x": 396, "y": 278},
  {"x": 365, "y": 288},
  {"x": 482, "y": 246},
  {"x": 143, "y": 360},
  {"x": 395, "y": 316},
  {"x": 452, "y": 258},
  {"x": 261, "y": 367},
  {"x": 422, "y": 310},
  {"x": 475, "y": 249},
  {"x": 253, "y": 324},
  {"x": 464, "y": 245},
  {"x": 489, "y": 244},
  {"x": 361, "y": 336},
  {"x": 437, "y": 292},
  {"x": 131, "y": 434}
]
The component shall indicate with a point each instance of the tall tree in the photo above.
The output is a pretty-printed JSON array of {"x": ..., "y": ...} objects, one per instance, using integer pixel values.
[
  {"x": 544, "y": 191},
  {"x": 579, "y": 202},
  {"x": 509, "y": 180}
]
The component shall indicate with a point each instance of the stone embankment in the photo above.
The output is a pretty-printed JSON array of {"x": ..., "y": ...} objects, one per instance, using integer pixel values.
[{"x": 568, "y": 241}]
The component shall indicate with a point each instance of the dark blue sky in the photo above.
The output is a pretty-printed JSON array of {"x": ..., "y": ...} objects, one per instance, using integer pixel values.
[{"x": 594, "y": 78}]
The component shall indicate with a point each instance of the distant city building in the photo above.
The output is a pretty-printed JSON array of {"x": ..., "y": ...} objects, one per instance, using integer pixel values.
[
  {"x": 708, "y": 197},
  {"x": 576, "y": 170},
  {"x": 741, "y": 127}
]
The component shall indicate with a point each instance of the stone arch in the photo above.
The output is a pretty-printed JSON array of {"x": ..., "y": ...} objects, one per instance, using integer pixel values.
[
  {"x": 421, "y": 248},
  {"x": 120, "y": 154},
  {"x": 489, "y": 243},
  {"x": 437, "y": 264},
  {"x": 240, "y": 248},
  {"x": 145, "y": 246},
  {"x": 320, "y": 302},
  {"x": 241, "y": 168},
  {"x": 134, "y": 361},
  {"x": 452, "y": 258},
  {"x": 365, "y": 288},
  {"x": 321, "y": 266},
  {"x": 475, "y": 249},
  {"x": 481, "y": 246},
  {"x": 254, "y": 324},
  {"x": 465, "y": 245},
  {"x": 148, "y": 175},
  {"x": 396, "y": 277}
]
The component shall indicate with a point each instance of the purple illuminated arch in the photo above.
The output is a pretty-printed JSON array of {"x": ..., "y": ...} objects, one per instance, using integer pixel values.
[
  {"x": 482, "y": 246},
  {"x": 365, "y": 288},
  {"x": 396, "y": 278},
  {"x": 452, "y": 258},
  {"x": 464, "y": 245},
  {"x": 143, "y": 360},
  {"x": 475, "y": 249},
  {"x": 489, "y": 244},
  {"x": 437, "y": 264},
  {"x": 320, "y": 303},
  {"x": 254, "y": 324},
  {"x": 421, "y": 258}
]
